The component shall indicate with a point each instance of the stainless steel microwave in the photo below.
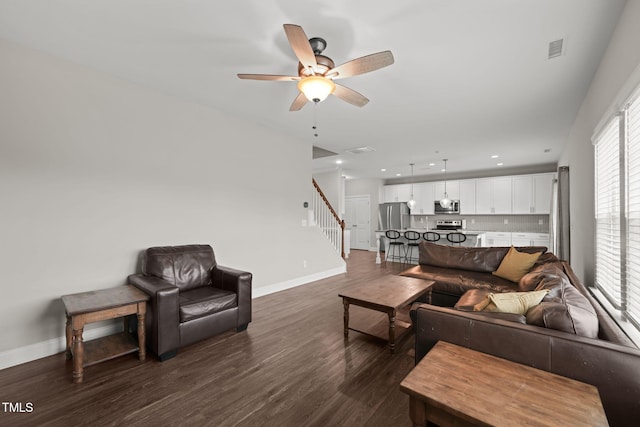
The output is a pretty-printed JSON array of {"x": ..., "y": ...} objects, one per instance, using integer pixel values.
[{"x": 453, "y": 208}]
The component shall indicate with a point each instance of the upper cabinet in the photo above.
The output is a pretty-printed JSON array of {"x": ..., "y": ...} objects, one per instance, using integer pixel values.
[
  {"x": 397, "y": 193},
  {"x": 467, "y": 196},
  {"x": 542, "y": 192},
  {"x": 532, "y": 194},
  {"x": 453, "y": 190},
  {"x": 502, "y": 195},
  {"x": 423, "y": 195},
  {"x": 493, "y": 195}
]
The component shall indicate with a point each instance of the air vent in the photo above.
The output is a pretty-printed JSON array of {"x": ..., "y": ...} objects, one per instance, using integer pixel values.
[
  {"x": 555, "y": 48},
  {"x": 360, "y": 150}
]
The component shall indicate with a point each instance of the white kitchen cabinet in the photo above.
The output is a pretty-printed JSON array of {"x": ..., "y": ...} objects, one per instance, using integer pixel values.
[
  {"x": 453, "y": 190},
  {"x": 532, "y": 193},
  {"x": 397, "y": 193},
  {"x": 521, "y": 239},
  {"x": 502, "y": 195},
  {"x": 493, "y": 195},
  {"x": 423, "y": 195},
  {"x": 543, "y": 185},
  {"x": 467, "y": 196},
  {"x": 484, "y": 202},
  {"x": 530, "y": 239},
  {"x": 495, "y": 238},
  {"x": 541, "y": 239},
  {"x": 522, "y": 194}
]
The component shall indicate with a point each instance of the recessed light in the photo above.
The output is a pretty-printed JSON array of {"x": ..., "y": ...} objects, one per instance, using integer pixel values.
[
  {"x": 432, "y": 164},
  {"x": 495, "y": 156},
  {"x": 398, "y": 174},
  {"x": 500, "y": 164},
  {"x": 383, "y": 170},
  {"x": 338, "y": 162}
]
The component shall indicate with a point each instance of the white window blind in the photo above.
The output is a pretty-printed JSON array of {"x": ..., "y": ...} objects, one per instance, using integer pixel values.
[
  {"x": 608, "y": 218},
  {"x": 632, "y": 138}
]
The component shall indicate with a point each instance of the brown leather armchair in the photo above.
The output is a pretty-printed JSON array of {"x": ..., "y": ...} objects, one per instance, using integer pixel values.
[{"x": 192, "y": 297}]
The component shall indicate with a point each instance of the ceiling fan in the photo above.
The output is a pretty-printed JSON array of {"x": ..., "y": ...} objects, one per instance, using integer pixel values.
[{"x": 316, "y": 72}]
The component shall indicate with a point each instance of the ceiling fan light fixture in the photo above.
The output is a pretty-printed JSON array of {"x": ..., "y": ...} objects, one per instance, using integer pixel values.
[{"x": 316, "y": 88}]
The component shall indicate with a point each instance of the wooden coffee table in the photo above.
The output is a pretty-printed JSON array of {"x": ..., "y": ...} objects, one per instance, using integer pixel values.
[
  {"x": 389, "y": 295},
  {"x": 454, "y": 385},
  {"x": 94, "y": 306}
]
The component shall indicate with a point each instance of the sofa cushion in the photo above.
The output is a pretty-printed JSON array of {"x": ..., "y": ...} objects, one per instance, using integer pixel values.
[
  {"x": 477, "y": 299},
  {"x": 541, "y": 276},
  {"x": 204, "y": 301},
  {"x": 457, "y": 282},
  {"x": 516, "y": 264},
  {"x": 484, "y": 260},
  {"x": 514, "y": 302},
  {"x": 473, "y": 300},
  {"x": 564, "y": 308},
  {"x": 187, "y": 266}
]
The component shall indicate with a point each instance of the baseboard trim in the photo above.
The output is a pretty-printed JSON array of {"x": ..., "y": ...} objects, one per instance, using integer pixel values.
[
  {"x": 277, "y": 287},
  {"x": 20, "y": 355}
]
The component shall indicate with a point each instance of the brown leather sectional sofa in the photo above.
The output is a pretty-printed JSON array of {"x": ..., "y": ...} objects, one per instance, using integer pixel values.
[{"x": 569, "y": 333}]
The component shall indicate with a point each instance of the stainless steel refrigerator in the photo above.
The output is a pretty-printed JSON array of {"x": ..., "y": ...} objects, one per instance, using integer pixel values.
[{"x": 393, "y": 216}]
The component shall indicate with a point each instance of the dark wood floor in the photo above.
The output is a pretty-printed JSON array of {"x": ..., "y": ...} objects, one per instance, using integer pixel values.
[{"x": 292, "y": 367}]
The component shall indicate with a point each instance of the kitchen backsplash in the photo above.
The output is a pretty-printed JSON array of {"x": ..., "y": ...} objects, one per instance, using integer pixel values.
[{"x": 515, "y": 223}]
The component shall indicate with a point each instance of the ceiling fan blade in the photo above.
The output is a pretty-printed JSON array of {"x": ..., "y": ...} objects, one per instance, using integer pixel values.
[
  {"x": 362, "y": 65},
  {"x": 350, "y": 96},
  {"x": 268, "y": 77},
  {"x": 298, "y": 103},
  {"x": 300, "y": 44}
]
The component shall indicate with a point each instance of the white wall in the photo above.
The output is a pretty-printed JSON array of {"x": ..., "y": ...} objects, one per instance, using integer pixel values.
[
  {"x": 373, "y": 189},
  {"x": 621, "y": 58},
  {"x": 331, "y": 184},
  {"x": 93, "y": 170}
]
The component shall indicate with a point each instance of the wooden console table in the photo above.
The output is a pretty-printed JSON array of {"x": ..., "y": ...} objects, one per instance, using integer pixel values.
[
  {"x": 389, "y": 294},
  {"x": 454, "y": 385},
  {"x": 94, "y": 306}
]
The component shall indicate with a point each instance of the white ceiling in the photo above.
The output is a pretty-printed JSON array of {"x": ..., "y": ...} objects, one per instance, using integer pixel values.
[{"x": 471, "y": 77}]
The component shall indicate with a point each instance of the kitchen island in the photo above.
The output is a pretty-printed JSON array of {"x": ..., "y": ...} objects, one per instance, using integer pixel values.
[{"x": 474, "y": 238}]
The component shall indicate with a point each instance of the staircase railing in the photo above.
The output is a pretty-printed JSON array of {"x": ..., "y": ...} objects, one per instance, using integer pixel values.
[{"x": 327, "y": 219}]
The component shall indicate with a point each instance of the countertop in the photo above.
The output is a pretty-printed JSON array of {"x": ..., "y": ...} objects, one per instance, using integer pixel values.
[{"x": 423, "y": 230}]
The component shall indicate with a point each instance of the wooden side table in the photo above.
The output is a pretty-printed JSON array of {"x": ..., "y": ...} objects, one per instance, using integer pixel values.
[
  {"x": 389, "y": 294},
  {"x": 458, "y": 386},
  {"x": 95, "y": 306}
]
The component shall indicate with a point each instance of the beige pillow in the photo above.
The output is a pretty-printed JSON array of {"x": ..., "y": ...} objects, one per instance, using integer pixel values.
[
  {"x": 514, "y": 302},
  {"x": 516, "y": 264}
]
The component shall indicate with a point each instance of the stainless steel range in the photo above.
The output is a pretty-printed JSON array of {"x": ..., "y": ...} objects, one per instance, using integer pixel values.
[{"x": 448, "y": 224}]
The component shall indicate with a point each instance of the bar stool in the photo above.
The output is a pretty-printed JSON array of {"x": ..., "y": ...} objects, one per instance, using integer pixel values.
[
  {"x": 393, "y": 236},
  {"x": 431, "y": 236},
  {"x": 412, "y": 242},
  {"x": 456, "y": 237}
]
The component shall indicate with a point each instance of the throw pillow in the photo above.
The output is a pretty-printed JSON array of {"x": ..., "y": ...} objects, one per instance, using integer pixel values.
[
  {"x": 516, "y": 264},
  {"x": 514, "y": 302},
  {"x": 473, "y": 300}
]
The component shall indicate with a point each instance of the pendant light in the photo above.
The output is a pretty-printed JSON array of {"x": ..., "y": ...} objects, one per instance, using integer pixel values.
[
  {"x": 411, "y": 203},
  {"x": 445, "y": 202}
]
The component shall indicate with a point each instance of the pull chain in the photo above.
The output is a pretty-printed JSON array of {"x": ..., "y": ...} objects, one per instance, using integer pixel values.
[{"x": 315, "y": 119}]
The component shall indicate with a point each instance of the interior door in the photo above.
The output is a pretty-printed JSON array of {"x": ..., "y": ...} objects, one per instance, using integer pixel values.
[{"x": 357, "y": 220}]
